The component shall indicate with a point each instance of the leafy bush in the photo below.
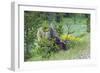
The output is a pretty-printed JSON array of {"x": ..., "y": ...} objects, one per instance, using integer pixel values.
[{"x": 45, "y": 48}]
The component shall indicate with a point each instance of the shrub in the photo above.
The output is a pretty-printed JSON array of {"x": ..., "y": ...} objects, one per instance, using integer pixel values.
[{"x": 45, "y": 48}]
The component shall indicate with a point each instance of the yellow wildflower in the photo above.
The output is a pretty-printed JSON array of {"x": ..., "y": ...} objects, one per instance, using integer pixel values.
[{"x": 69, "y": 37}]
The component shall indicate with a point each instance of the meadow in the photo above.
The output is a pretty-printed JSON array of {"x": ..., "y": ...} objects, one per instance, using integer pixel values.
[{"x": 56, "y": 36}]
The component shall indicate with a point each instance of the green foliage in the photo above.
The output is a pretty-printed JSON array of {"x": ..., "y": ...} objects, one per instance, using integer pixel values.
[
  {"x": 46, "y": 48},
  {"x": 59, "y": 28},
  {"x": 76, "y": 24}
]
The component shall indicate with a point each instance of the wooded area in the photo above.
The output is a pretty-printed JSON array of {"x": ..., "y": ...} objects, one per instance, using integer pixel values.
[{"x": 56, "y": 36}]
